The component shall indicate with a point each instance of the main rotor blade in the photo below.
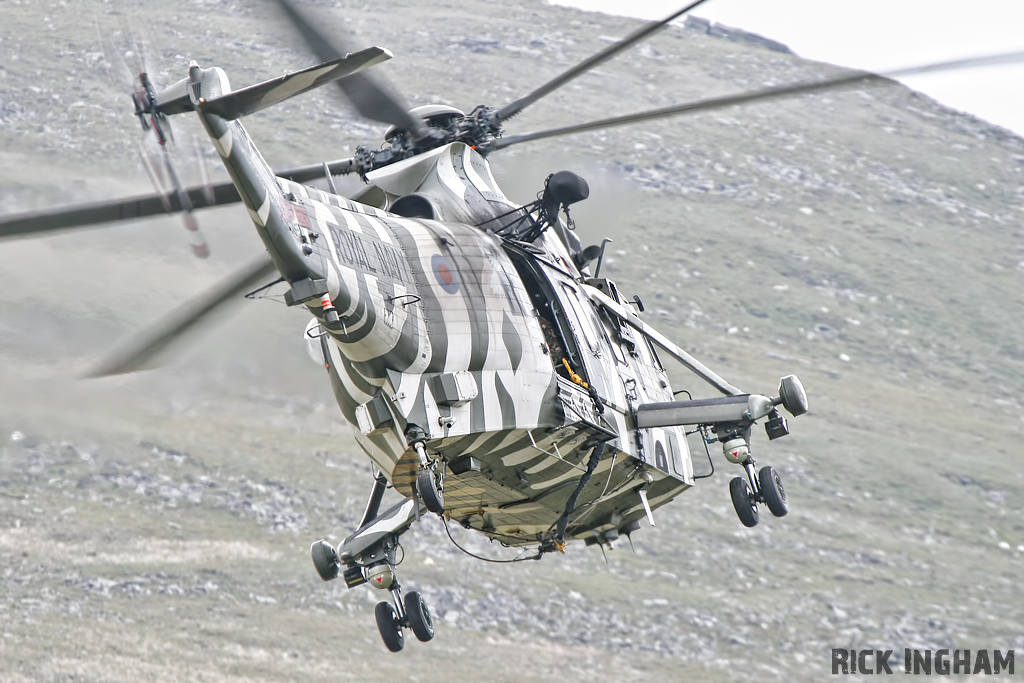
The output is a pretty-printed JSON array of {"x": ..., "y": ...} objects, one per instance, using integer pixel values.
[
  {"x": 133, "y": 208},
  {"x": 81, "y": 215},
  {"x": 139, "y": 352},
  {"x": 510, "y": 110},
  {"x": 368, "y": 96},
  {"x": 850, "y": 78}
]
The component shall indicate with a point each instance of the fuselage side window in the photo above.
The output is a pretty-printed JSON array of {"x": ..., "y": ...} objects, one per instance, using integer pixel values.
[{"x": 580, "y": 320}]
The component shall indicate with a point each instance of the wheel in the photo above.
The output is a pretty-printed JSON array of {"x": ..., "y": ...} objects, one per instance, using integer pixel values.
[
  {"x": 743, "y": 501},
  {"x": 325, "y": 559},
  {"x": 419, "y": 616},
  {"x": 430, "y": 494},
  {"x": 390, "y": 629},
  {"x": 773, "y": 491}
]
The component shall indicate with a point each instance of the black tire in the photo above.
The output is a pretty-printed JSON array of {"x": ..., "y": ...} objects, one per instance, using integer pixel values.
[
  {"x": 419, "y": 617},
  {"x": 325, "y": 559},
  {"x": 389, "y": 627},
  {"x": 430, "y": 493},
  {"x": 743, "y": 501},
  {"x": 773, "y": 491}
]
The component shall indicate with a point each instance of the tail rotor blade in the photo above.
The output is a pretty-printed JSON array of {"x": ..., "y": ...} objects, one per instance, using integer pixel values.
[
  {"x": 196, "y": 240},
  {"x": 155, "y": 176},
  {"x": 162, "y": 173},
  {"x": 195, "y": 235}
]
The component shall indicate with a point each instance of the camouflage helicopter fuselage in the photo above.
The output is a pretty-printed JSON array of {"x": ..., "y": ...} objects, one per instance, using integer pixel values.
[{"x": 483, "y": 344}]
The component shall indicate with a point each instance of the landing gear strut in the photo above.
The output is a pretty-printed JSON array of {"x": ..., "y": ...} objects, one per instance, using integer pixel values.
[
  {"x": 757, "y": 487},
  {"x": 369, "y": 556},
  {"x": 410, "y": 612},
  {"x": 429, "y": 479}
]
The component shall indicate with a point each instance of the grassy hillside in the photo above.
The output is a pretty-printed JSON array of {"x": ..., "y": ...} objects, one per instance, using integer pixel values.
[{"x": 868, "y": 240}]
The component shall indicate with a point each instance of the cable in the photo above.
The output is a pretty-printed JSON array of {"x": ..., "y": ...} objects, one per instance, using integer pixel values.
[
  {"x": 590, "y": 507},
  {"x": 570, "y": 504},
  {"x": 486, "y": 559}
]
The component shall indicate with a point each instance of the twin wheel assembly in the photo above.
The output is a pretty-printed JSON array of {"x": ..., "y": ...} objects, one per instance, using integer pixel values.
[
  {"x": 769, "y": 491},
  {"x": 414, "y": 615},
  {"x": 764, "y": 486},
  {"x": 411, "y": 611},
  {"x": 370, "y": 554},
  {"x": 746, "y": 492}
]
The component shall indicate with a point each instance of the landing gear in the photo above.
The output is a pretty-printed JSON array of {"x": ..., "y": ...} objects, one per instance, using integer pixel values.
[
  {"x": 370, "y": 554},
  {"x": 418, "y": 616},
  {"x": 428, "y": 481},
  {"x": 744, "y": 501},
  {"x": 757, "y": 487},
  {"x": 389, "y": 626},
  {"x": 411, "y": 612},
  {"x": 773, "y": 492},
  {"x": 325, "y": 559},
  {"x": 429, "y": 490}
]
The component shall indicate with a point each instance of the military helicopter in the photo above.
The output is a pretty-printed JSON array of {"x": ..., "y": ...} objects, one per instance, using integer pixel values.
[{"x": 489, "y": 372}]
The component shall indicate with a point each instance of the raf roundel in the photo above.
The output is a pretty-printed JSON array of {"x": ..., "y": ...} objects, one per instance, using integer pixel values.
[{"x": 445, "y": 273}]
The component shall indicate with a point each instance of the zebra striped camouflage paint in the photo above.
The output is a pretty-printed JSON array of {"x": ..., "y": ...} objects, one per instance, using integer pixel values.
[{"x": 424, "y": 298}]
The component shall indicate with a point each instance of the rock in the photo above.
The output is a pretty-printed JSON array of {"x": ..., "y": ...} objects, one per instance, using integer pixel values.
[{"x": 479, "y": 46}]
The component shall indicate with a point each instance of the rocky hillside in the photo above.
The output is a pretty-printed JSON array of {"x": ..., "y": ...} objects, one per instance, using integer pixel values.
[{"x": 869, "y": 240}]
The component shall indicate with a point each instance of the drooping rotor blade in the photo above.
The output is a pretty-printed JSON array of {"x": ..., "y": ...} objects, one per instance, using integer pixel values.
[
  {"x": 368, "y": 96},
  {"x": 200, "y": 197},
  {"x": 140, "y": 352},
  {"x": 81, "y": 215},
  {"x": 849, "y": 78},
  {"x": 510, "y": 110}
]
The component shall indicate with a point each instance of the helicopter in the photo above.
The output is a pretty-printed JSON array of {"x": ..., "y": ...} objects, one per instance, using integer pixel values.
[{"x": 489, "y": 373}]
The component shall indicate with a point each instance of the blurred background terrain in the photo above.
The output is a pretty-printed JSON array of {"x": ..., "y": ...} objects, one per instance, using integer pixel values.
[{"x": 158, "y": 525}]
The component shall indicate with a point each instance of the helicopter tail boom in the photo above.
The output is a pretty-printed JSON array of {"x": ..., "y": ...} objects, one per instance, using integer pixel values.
[{"x": 258, "y": 186}]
